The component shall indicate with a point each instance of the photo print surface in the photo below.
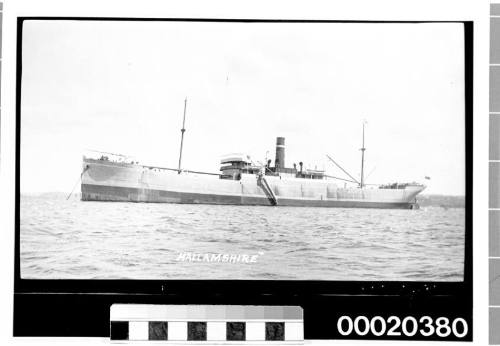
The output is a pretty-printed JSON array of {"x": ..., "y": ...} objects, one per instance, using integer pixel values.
[{"x": 192, "y": 150}]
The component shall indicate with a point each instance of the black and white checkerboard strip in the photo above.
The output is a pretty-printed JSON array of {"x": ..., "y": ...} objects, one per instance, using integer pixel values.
[{"x": 206, "y": 323}]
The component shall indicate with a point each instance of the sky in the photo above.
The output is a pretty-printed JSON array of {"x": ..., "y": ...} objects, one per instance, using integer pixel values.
[{"x": 120, "y": 87}]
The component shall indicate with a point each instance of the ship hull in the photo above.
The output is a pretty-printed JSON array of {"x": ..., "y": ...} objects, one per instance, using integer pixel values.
[
  {"x": 119, "y": 182},
  {"x": 126, "y": 194}
]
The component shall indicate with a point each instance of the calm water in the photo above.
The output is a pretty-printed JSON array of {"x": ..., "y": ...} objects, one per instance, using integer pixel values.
[{"x": 84, "y": 240}]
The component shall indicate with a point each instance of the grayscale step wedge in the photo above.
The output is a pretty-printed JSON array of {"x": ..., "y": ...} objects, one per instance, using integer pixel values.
[{"x": 211, "y": 323}]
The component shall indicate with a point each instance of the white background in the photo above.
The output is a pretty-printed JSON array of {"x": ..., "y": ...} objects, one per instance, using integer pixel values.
[{"x": 361, "y": 10}]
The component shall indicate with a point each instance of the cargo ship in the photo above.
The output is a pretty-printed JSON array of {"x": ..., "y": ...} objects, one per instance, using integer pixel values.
[{"x": 241, "y": 181}]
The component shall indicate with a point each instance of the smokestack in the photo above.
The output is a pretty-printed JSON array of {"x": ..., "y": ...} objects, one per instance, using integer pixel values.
[{"x": 279, "y": 162}]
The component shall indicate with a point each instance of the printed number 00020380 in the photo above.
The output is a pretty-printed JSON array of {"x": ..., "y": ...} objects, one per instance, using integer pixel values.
[{"x": 409, "y": 326}]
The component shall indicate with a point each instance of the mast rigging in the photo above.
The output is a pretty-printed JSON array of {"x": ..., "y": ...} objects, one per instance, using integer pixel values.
[
  {"x": 182, "y": 135},
  {"x": 362, "y": 183}
]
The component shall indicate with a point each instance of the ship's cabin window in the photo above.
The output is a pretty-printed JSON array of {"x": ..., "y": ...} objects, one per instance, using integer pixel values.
[
  {"x": 233, "y": 166},
  {"x": 311, "y": 174}
]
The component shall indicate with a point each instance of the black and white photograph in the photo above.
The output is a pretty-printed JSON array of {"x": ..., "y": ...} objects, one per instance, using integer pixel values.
[{"x": 242, "y": 150}]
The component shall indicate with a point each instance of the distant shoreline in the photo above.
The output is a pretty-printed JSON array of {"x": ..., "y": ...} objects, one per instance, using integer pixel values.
[
  {"x": 424, "y": 200},
  {"x": 445, "y": 201}
]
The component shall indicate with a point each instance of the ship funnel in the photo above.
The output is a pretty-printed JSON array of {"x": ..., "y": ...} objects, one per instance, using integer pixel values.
[{"x": 279, "y": 162}]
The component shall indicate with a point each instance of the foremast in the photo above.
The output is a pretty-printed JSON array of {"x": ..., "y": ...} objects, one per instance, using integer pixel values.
[
  {"x": 182, "y": 135},
  {"x": 362, "y": 182}
]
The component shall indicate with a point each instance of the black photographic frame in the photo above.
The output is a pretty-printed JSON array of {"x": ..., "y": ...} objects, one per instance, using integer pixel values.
[{"x": 81, "y": 307}]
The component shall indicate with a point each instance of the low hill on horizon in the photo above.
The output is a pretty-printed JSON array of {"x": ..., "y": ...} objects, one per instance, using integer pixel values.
[
  {"x": 444, "y": 201},
  {"x": 424, "y": 200}
]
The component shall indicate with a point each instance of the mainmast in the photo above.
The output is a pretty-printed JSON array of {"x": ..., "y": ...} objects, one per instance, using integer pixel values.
[
  {"x": 182, "y": 135},
  {"x": 362, "y": 183}
]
